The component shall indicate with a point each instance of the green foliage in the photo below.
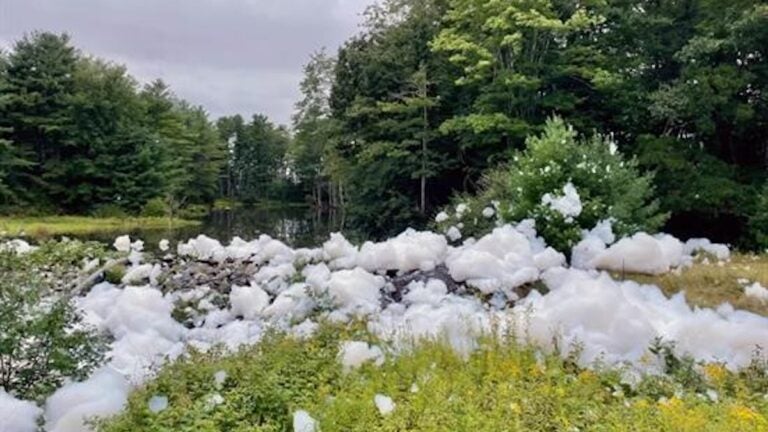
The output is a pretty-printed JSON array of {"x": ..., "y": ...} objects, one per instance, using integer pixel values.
[
  {"x": 758, "y": 223},
  {"x": 156, "y": 207},
  {"x": 676, "y": 84},
  {"x": 194, "y": 211},
  {"x": 387, "y": 99},
  {"x": 109, "y": 211},
  {"x": 257, "y": 165},
  {"x": 264, "y": 385},
  {"x": 519, "y": 59},
  {"x": 608, "y": 186},
  {"x": 43, "y": 340},
  {"x": 313, "y": 129},
  {"x": 76, "y": 134},
  {"x": 500, "y": 386}
]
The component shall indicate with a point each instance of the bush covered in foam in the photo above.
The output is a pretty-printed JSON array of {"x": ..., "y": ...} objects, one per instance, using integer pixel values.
[{"x": 566, "y": 184}]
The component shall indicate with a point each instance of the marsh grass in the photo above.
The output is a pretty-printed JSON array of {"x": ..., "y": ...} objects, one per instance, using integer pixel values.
[{"x": 50, "y": 226}]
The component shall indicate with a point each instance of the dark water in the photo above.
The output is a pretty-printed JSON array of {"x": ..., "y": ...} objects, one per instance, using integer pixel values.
[{"x": 296, "y": 226}]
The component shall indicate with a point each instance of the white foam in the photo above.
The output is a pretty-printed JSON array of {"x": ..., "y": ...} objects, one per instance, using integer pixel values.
[{"x": 17, "y": 415}]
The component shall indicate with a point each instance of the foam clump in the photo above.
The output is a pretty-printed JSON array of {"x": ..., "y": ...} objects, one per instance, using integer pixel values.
[
  {"x": 411, "y": 250},
  {"x": 249, "y": 301},
  {"x": 303, "y": 422},
  {"x": 339, "y": 252},
  {"x": 720, "y": 251},
  {"x": 356, "y": 290},
  {"x": 504, "y": 259},
  {"x": 139, "y": 318},
  {"x": 122, "y": 243},
  {"x": 456, "y": 319},
  {"x": 17, "y": 415},
  {"x": 569, "y": 204},
  {"x": 757, "y": 291},
  {"x": 17, "y": 246},
  {"x": 640, "y": 253},
  {"x": 157, "y": 403},
  {"x": 354, "y": 354},
  {"x": 384, "y": 404},
  {"x": 103, "y": 394},
  {"x": 202, "y": 248}
]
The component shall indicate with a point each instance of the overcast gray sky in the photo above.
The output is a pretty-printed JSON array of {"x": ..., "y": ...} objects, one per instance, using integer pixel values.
[{"x": 231, "y": 56}]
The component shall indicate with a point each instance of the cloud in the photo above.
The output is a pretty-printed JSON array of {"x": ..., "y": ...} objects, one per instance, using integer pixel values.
[{"x": 231, "y": 56}]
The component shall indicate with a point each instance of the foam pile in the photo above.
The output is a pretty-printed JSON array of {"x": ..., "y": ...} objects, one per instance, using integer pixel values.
[
  {"x": 17, "y": 246},
  {"x": 502, "y": 260},
  {"x": 103, "y": 394},
  {"x": 410, "y": 250},
  {"x": 617, "y": 321},
  {"x": 457, "y": 294}
]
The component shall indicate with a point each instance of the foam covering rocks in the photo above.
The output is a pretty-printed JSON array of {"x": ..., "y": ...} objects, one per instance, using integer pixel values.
[{"x": 408, "y": 287}]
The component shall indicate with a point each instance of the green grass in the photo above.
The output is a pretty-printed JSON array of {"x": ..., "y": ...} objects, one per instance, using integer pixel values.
[
  {"x": 710, "y": 285},
  {"x": 226, "y": 204},
  {"x": 47, "y": 226},
  {"x": 500, "y": 387}
]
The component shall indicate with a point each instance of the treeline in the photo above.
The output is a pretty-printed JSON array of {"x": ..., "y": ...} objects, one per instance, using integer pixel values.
[
  {"x": 80, "y": 135},
  {"x": 432, "y": 93}
]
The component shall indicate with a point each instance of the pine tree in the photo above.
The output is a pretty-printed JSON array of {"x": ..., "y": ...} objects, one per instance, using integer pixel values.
[{"x": 39, "y": 89}]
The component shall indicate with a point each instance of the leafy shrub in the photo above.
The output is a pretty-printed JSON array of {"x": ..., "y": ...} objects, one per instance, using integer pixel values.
[
  {"x": 264, "y": 384},
  {"x": 109, "y": 211},
  {"x": 758, "y": 223},
  {"x": 156, "y": 207},
  {"x": 608, "y": 187},
  {"x": 42, "y": 338}
]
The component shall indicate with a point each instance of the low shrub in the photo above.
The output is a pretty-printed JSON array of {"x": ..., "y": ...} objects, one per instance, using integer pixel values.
[
  {"x": 156, "y": 207},
  {"x": 109, "y": 211}
]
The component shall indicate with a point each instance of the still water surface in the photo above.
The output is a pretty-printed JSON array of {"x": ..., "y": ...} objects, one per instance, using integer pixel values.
[{"x": 296, "y": 226}]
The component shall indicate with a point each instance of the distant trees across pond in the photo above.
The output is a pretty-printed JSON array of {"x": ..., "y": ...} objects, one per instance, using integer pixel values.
[{"x": 80, "y": 135}]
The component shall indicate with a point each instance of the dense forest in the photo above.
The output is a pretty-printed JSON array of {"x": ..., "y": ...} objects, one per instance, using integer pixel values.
[
  {"x": 413, "y": 110},
  {"x": 79, "y": 135}
]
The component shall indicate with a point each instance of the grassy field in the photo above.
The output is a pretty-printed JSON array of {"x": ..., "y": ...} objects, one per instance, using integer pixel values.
[
  {"x": 47, "y": 226},
  {"x": 712, "y": 284}
]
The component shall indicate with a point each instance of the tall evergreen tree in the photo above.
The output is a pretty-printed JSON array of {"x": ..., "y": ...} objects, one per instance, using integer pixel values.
[{"x": 40, "y": 76}]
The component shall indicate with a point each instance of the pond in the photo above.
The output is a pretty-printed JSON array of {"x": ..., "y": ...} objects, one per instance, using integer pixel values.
[{"x": 297, "y": 226}]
